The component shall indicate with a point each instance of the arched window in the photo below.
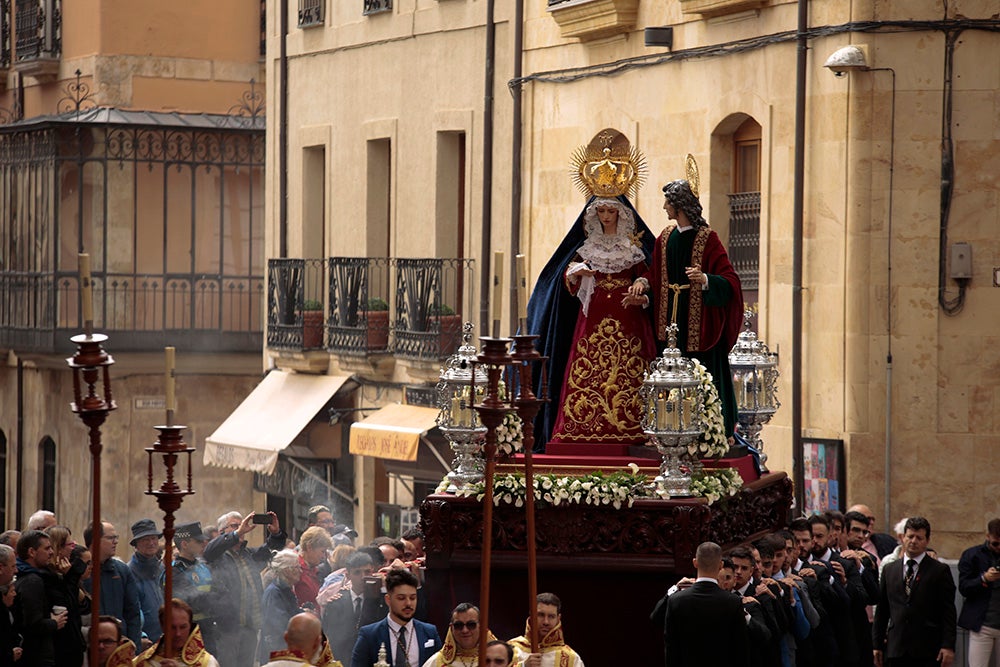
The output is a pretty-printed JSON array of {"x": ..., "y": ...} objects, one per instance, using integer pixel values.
[
  {"x": 47, "y": 468},
  {"x": 735, "y": 208}
]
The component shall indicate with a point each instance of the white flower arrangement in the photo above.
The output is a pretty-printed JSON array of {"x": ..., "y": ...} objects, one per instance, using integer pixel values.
[
  {"x": 713, "y": 442},
  {"x": 510, "y": 435},
  {"x": 717, "y": 483},
  {"x": 617, "y": 489}
]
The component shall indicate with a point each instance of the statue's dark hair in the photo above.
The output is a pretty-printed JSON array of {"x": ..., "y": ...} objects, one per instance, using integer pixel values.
[{"x": 679, "y": 194}]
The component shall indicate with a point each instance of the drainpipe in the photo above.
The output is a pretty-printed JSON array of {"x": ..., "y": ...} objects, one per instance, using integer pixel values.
[
  {"x": 283, "y": 133},
  {"x": 19, "y": 473},
  {"x": 485, "y": 281},
  {"x": 798, "y": 469},
  {"x": 515, "y": 161}
]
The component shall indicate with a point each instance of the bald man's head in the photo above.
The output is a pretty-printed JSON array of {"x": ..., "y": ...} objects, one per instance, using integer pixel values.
[{"x": 304, "y": 633}]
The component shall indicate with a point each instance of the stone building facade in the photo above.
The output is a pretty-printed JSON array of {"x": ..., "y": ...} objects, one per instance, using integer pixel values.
[{"x": 382, "y": 157}]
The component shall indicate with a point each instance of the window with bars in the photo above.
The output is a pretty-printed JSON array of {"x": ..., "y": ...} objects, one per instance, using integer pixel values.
[
  {"x": 376, "y": 6},
  {"x": 38, "y": 27},
  {"x": 4, "y": 34},
  {"x": 311, "y": 13}
]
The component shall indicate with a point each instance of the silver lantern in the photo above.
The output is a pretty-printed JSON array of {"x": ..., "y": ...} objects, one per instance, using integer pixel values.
[
  {"x": 673, "y": 416},
  {"x": 755, "y": 382},
  {"x": 458, "y": 389}
]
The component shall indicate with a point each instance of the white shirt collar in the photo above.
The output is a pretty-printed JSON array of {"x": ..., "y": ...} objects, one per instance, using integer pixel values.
[{"x": 712, "y": 579}]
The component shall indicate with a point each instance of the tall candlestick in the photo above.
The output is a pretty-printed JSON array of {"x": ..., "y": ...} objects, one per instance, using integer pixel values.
[
  {"x": 522, "y": 288},
  {"x": 86, "y": 293},
  {"x": 170, "y": 385},
  {"x": 497, "y": 288}
]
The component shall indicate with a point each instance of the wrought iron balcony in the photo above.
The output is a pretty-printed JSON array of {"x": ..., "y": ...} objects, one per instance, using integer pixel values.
[
  {"x": 38, "y": 41},
  {"x": 40, "y": 311},
  {"x": 359, "y": 305},
  {"x": 412, "y": 308},
  {"x": 295, "y": 304},
  {"x": 376, "y": 6}
]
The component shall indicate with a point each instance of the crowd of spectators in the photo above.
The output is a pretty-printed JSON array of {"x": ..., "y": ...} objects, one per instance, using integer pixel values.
[{"x": 825, "y": 591}]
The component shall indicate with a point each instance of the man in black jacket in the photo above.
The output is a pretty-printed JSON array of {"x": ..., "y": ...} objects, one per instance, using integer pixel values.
[
  {"x": 703, "y": 624},
  {"x": 39, "y": 622},
  {"x": 979, "y": 583},
  {"x": 915, "y": 617},
  {"x": 236, "y": 584}
]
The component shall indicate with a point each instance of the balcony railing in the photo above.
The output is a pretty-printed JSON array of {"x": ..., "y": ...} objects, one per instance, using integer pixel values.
[
  {"x": 744, "y": 237},
  {"x": 311, "y": 13},
  {"x": 359, "y": 305},
  {"x": 412, "y": 308},
  {"x": 40, "y": 311}
]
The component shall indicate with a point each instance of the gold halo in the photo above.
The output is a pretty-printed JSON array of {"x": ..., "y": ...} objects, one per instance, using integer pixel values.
[
  {"x": 609, "y": 166},
  {"x": 691, "y": 170}
]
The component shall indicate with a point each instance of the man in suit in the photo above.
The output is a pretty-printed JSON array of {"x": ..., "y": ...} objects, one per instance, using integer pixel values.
[
  {"x": 356, "y": 607},
  {"x": 703, "y": 624},
  {"x": 408, "y": 642},
  {"x": 915, "y": 617}
]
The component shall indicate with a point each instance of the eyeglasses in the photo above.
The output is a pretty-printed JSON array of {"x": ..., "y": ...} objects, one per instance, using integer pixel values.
[
  {"x": 459, "y": 625},
  {"x": 107, "y": 642},
  {"x": 111, "y": 538}
]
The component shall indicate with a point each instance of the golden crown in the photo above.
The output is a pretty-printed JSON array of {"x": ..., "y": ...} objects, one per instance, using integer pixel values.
[{"x": 609, "y": 166}]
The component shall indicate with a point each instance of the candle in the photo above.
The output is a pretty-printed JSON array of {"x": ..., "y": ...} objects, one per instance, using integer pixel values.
[
  {"x": 522, "y": 289},
  {"x": 497, "y": 285},
  {"x": 456, "y": 411},
  {"x": 170, "y": 384},
  {"x": 661, "y": 414},
  {"x": 86, "y": 293}
]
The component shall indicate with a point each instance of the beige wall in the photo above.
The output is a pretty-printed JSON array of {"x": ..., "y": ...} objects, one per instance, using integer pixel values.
[
  {"x": 208, "y": 389},
  {"x": 399, "y": 74},
  {"x": 180, "y": 56}
]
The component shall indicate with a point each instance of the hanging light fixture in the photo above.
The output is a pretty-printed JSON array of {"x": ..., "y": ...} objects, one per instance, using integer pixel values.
[
  {"x": 755, "y": 380},
  {"x": 462, "y": 384},
  {"x": 673, "y": 415}
]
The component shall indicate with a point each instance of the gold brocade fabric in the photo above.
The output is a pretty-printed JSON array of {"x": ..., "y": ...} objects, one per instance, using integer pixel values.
[
  {"x": 553, "y": 642},
  {"x": 601, "y": 401},
  {"x": 450, "y": 650},
  {"x": 123, "y": 655},
  {"x": 193, "y": 653}
]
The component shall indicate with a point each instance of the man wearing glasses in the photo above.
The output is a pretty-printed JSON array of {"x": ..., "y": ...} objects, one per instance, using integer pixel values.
[
  {"x": 461, "y": 645},
  {"x": 979, "y": 581},
  {"x": 119, "y": 591}
]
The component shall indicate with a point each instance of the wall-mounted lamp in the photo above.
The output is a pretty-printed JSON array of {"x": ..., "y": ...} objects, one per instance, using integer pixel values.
[
  {"x": 662, "y": 36},
  {"x": 847, "y": 59},
  {"x": 336, "y": 414}
]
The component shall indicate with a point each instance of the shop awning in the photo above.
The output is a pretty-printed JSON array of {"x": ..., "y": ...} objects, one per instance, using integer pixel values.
[
  {"x": 394, "y": 432},
  {"x": 269, "y": 419}
]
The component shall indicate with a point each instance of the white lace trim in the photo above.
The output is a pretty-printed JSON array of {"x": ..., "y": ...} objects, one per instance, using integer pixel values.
[{"x": 610, "y": 253}]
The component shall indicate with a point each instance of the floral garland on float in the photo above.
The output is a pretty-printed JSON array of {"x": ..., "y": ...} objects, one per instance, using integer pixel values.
[{"x": 620, "y": 488}]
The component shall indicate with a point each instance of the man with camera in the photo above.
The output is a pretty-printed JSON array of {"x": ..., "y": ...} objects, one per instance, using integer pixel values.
[
  {"x": 979, "y": 581},
  {"x": 236, "y": 582}
]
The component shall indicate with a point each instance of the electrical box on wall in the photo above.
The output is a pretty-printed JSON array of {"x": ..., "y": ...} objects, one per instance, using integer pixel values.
[{"x": 961, "y": 261}]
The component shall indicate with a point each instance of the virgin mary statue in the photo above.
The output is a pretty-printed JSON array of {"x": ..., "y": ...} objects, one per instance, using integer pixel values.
[{"x": 598, "y": 338}]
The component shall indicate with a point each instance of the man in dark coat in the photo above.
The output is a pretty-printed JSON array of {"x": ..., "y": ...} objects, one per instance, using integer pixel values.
[
  {"x": 979, "y": 584},
  {"x": 915, "y": 617},
  {"x": 39, "y": 622},
  {"x": 697, "y": 618},
  {"x": 236, "y": 584}
]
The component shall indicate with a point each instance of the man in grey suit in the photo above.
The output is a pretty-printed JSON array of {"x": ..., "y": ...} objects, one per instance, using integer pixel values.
[
  {"x": 915, "y": 617},
  {"x": 703, "y": 624}
]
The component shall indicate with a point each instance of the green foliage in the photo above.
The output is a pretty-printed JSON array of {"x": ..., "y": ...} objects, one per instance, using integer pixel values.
[{"x": 377, "y": 304}]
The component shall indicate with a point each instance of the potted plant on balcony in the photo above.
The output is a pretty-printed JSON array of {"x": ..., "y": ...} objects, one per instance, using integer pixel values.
[
  {"x": 312, "y": 324},
  {"x": 377, "y": 315},
  {"x": 449, "y": 327}
]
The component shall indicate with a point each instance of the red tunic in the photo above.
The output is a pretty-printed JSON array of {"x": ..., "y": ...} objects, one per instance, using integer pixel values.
[{"x": 612, "y": 347}]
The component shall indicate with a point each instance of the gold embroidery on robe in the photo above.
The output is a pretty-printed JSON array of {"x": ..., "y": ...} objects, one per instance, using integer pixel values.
[{"x": 599, "y": 397}]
